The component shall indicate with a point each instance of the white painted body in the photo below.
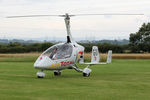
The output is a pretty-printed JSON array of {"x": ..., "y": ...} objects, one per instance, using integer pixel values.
[{"x": 45, "y": 63}]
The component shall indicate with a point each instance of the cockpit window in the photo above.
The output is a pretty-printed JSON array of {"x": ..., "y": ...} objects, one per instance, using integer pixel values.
[{"x": 59, "y": 51}]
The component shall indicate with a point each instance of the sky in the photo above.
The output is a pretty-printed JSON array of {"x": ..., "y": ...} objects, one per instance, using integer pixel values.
[{"x": 82, "y": 27}]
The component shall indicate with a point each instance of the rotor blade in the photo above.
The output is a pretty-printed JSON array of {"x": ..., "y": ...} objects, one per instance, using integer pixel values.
[
  {"x": 106, "y": 14},
  {"x": 69, "y": 15},
  {"x": 33, "y": 16}
]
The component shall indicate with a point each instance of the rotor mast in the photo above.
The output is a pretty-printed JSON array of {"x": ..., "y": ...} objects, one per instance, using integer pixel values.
[{"x": 67, "y": 22}]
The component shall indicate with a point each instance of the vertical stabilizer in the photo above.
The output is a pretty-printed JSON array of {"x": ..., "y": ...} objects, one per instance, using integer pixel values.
[
  {"x": 95, "y": 55},
  {"x": 109, "y": 56}
]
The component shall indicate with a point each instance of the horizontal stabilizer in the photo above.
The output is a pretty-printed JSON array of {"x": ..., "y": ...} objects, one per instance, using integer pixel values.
[
  {"x": 92, "y": 63},
  {"x": 96, "y": 58}
]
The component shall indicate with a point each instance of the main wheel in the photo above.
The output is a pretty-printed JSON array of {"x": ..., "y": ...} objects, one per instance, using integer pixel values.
[
  {"x": 57, "y": 73},
  {"x": 86, "y": 75}
]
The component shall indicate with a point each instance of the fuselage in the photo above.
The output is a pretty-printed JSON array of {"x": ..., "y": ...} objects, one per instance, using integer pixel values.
[{"x": 60, "y": 56}]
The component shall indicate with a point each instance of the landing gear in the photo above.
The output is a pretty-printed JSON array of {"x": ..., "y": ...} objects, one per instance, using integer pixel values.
[
  {"x": 40, "y": 74},
  {"x": 57, "y": 73},
  {"x": 86, "y": 72}
]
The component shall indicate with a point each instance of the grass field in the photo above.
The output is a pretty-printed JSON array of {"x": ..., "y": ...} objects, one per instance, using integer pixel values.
[{"x": 127, "y": 79}]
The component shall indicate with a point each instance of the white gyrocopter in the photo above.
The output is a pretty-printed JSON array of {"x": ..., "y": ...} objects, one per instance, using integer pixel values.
[{"x": 67, "y": 55}]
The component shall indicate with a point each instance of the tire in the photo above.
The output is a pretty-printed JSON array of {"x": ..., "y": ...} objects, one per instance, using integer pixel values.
[
  {"x": 39, "y": 77},
  {"x": 86, "y": 75},
  {"x": 40, "y": 74},
  {"x": 57, "y": 73}
]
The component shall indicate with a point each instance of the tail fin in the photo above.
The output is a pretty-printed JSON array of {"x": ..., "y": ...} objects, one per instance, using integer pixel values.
[
  {"x": 95, "y": 55},
  {"x": 109, "y": 56}
]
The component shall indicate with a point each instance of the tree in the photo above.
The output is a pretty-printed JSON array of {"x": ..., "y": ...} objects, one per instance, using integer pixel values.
[
  {"x": 14, "y": 44},
  {"x": 45, "y": 45},
  {"x": 140, "y": 41}
]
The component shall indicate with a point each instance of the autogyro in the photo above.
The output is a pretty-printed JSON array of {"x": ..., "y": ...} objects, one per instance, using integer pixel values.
[{"x": 67, "y": 55}]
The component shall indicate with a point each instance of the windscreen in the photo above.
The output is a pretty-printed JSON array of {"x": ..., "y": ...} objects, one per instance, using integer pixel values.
[{"x": 59, "y": 51}]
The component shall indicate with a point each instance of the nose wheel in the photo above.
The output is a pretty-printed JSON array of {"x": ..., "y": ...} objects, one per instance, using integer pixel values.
[{"x": 40, "y": 74}]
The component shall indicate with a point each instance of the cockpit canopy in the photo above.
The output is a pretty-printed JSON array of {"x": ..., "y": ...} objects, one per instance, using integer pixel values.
[{"x": 60, "y": 51}]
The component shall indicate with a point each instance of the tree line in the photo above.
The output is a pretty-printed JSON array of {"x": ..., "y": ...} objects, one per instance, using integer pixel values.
[
  {"x": 40, "y": 47},
  {"x": 24, "y": 48}
]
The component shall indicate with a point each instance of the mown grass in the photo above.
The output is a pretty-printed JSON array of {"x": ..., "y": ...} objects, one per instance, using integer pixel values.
[{"x": 121, "y": 80}]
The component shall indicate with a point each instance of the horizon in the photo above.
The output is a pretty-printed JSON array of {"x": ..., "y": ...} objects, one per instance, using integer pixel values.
[{"x": 60, "y": 39}]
